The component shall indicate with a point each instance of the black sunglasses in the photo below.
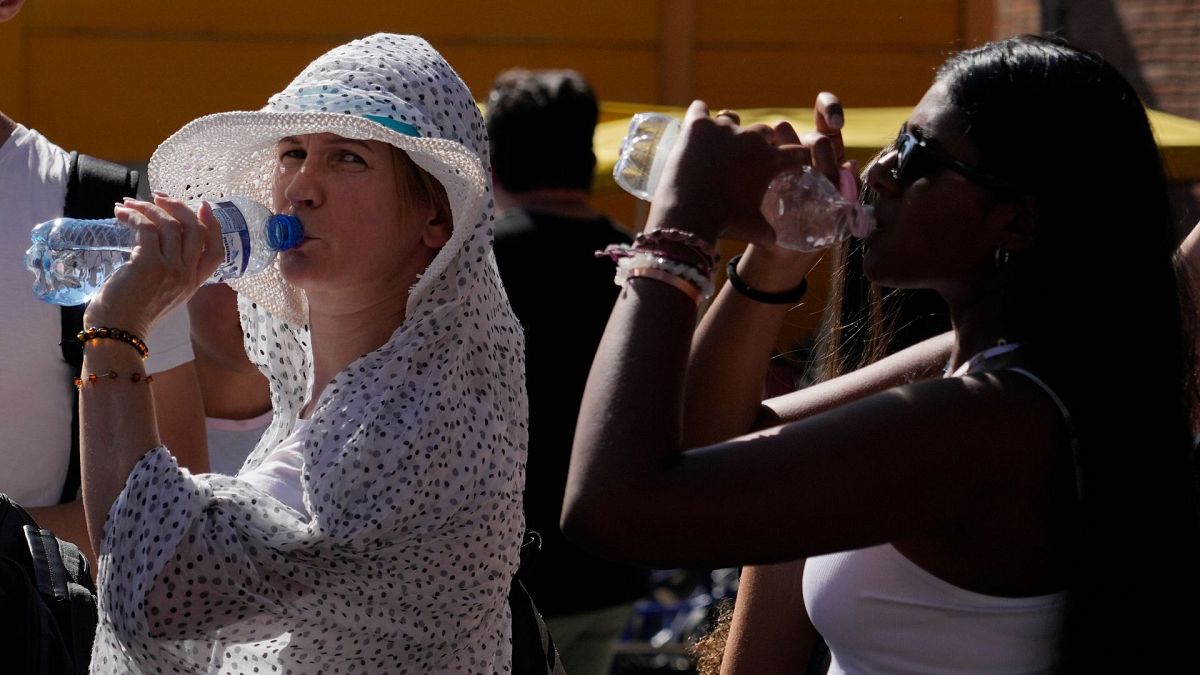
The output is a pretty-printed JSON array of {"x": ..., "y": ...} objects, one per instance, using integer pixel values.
[{"x": 916, "y": 158}]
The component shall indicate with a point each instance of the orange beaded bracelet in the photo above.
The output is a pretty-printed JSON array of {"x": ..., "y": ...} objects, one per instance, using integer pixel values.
[
  {"x": 111, "y": 375},
  {"x": 102, "y": 332}
]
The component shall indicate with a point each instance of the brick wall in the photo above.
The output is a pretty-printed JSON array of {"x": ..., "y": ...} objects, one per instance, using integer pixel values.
[
  {"x": 1017, "y": 16},
  {"x": 1154, "y": 43}
]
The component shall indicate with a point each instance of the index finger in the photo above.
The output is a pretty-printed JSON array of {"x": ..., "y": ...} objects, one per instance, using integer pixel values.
[
  {"x": 695, "y": 111},
  {"x": 830, "y": 118},
  {"x": 214, "y": 244}
]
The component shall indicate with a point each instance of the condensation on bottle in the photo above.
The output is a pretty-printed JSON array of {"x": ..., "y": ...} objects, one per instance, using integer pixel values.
[
  {"x": 71, "y": 258},
  {"x": 806, "y": 210}
]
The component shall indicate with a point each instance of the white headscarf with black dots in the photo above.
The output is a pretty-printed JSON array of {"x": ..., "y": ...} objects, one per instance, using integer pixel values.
[{"x": 414, "y": 458}]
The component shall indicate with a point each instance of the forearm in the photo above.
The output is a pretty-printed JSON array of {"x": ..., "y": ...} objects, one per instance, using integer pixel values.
[
  {"x": 629, "y": 422},
  {"x": 732, "y": 350},
  {"x": 919, "y": 362},
  {"x": 179, "y": 415},
  {"x": 770, "y": 631},
  {"x": 117, "y": 426}
]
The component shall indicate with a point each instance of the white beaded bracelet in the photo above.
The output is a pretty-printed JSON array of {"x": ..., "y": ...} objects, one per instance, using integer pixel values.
[{"x": 644, "y": 260}]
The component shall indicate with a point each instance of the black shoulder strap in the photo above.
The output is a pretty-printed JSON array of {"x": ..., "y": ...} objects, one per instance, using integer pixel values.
[{"x": 93, "y": 186}]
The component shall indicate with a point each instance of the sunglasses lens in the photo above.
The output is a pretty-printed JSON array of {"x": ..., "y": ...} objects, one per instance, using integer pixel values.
[{"x": 904, "y": 148}]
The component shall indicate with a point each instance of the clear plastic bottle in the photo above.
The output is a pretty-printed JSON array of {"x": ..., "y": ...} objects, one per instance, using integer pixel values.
[
  {"x": 71, "y": 258},
  {"x": 805, "y": 209}
]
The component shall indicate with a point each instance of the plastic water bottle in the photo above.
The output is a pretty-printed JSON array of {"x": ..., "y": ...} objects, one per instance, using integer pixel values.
[
  {"x": 804, "y": 208},
  {"x": 70, "y": 258}
]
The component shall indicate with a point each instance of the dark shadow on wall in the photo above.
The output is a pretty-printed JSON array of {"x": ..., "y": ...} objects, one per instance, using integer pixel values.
[{"x": 1097, "y": 25}]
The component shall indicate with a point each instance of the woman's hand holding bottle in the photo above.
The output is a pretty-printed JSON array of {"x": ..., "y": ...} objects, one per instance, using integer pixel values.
[
  {"x": 717, "y": 173},
  {"x": 177, "y": 251}
]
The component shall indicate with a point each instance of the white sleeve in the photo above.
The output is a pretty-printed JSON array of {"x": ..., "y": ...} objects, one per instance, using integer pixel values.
[{"x": 170, "y": 342}]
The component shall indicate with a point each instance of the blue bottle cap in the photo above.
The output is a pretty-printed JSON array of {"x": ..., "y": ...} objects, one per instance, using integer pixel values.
[{"x": 284, "y": 232}]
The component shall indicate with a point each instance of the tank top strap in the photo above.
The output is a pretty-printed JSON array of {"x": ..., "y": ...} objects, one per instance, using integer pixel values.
[{"x": 1066, "y": 416}]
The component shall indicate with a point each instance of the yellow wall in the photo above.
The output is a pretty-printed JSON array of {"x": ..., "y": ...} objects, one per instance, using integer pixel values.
[{"x": 115, "y": 78}]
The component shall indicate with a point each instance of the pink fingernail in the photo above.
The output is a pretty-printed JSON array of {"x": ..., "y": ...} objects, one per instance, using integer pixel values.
[{"x": 847, "y": 185}]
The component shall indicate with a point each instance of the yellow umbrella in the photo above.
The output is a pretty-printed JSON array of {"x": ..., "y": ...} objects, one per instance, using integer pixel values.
[{"x": 869, "y": 129}]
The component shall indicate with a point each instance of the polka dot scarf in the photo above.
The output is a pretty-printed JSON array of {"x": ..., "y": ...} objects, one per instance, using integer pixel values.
[{"x": 413, "y": 462}]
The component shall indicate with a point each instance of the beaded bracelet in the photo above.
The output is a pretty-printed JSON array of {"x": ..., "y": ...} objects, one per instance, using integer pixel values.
[
  {"x": 688, "y": 273},
  {"x": 705, "y": 250},
  {"x": 102, "y": 332},
  {"x": 112, "y": 375},
  {"x": 618, "y": 251},
  {"x": 781, "y": 298}
]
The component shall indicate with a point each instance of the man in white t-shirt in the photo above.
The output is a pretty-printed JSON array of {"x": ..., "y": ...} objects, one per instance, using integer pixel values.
[{"x": 36, "y": 391}]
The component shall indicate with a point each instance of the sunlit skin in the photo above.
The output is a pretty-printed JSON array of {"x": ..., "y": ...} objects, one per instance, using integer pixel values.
[
  {"x": 367, "y": 238},
  {"x": 346, "y": 193}
]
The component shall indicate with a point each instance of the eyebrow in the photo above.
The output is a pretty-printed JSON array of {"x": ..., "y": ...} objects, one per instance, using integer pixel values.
[{"x": 340, "y": 140}]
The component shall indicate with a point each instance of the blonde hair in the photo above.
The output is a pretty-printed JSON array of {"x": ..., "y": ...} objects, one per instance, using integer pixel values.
[{"x": 417, "y": 186}]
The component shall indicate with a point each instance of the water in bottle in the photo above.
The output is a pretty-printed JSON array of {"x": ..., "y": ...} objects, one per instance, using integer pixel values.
[
  {"x": 644, "y": 153},
  {"x": 71, "y": 258},
  {"x": 805, "y": 209}
]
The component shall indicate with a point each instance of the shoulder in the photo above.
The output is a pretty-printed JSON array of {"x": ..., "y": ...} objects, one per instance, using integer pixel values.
[{"x": 999, "y": 428}]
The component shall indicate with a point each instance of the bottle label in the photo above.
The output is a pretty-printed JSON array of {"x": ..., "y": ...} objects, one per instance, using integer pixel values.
[{"x": 236, "y": 236}]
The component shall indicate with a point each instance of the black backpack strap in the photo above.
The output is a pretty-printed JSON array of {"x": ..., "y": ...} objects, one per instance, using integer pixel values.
[{"x": 93, "y": 186}]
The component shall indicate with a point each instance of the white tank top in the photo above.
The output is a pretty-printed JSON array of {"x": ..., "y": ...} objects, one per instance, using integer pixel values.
[{"x": 880, "y": 612}]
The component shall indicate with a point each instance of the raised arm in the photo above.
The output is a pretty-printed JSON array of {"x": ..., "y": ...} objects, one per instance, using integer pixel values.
[
  {"x": 733, "y": 345},
  {"x": 635, "y": 492},
  {"x": 175, "y": 253}
]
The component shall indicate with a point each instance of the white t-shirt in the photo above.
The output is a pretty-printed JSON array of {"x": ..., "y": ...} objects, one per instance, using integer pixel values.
[
  {"x": 35, "y": 387},
  {"x": 279, "y": 473},
  {"x": 230, "y": 441}
]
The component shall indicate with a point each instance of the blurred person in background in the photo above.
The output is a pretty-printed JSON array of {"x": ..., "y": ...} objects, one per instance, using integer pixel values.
[
  {"x": 541, "y": 125},
  {"x": 36, "y": 393}
]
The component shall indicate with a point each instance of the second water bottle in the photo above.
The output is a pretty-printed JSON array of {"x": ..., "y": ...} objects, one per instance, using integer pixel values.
[{"x": 806, "y": 211}]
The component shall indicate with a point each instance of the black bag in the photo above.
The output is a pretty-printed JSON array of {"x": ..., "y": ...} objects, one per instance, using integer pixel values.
[
  {"x": 533, "y": 651},
  {"x": 93, "y": 186},
  {"x": 47, "y": 599}
]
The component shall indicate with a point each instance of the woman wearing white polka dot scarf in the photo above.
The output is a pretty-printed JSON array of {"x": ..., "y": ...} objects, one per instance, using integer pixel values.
[{"x": 376, "y": 526}]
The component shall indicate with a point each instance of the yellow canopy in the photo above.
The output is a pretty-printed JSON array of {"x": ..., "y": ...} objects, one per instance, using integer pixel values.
[{"x": 869, "y": 129}]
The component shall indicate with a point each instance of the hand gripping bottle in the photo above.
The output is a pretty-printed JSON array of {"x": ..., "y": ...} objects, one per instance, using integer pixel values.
[
  {"x": 71, "y": 258},
  {"x": 806, "y": 211}
]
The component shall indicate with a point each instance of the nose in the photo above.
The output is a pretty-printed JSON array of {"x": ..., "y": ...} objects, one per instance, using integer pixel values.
[
  {"x": 299, "y": 187},
  {"x": 879, "y": 173}
]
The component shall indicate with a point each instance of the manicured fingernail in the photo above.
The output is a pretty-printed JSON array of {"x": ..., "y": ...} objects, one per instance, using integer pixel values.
[
  {"x": 837, "y": 119},
  {"x": 847, "y": 185},
  {"x": 160, "y": 193}
]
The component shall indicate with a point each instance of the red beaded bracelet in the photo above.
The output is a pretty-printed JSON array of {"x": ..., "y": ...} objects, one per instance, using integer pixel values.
[{"x": 111, "y": 375}]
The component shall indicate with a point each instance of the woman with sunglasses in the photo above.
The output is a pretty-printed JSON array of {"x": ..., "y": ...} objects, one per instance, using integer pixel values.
[{"x": 1011, "y": 516}]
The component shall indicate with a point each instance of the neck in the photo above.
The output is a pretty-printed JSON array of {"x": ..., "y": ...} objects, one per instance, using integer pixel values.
[
  {"x": 7, "y": 127},
  {"x": 342, "y": 332},
  {"x": 980, "y": 324},
  {"x": 566, "y": 202}
]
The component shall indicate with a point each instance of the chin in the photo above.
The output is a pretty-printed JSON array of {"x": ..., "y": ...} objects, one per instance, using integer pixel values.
[
  {"x": 873, "y": 267},
  {"x": 296, "y": 269}
]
